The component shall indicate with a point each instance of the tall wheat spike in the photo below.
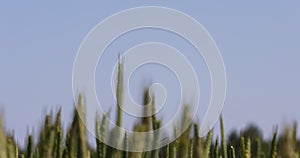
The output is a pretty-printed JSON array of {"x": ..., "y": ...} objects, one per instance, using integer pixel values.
[
  {"x": 70, "y": 144},
  {"x": 294, "y": 139},
  {"x": 216, "y": 149},
  {"x": 59, "y": 136},
  {"x": 46, "y": 141},
  {"x": 155, "y": 152},
  {"x": 82, "y": 140},
  {"x": 248, "y": 148},
  {"x": 208, "y": 144},
  {"x": 103, "y": 136},
  {"x": 190, "y": 151},
  {"x": 30, "y": 147},
  {"x": 100, "y": 130},
  {"x": 174, "y": 144},
  {"x": 258, "y": 148},
  {"x": 243, "y": 148},
  {"x": 37, "y": 154},
  {"x": 223, "y": 140},
  {"x": 10, "y": 146},
  {"x": 146, "y": 123},
  {"x": 273, "y": 152},
  {"x": 119, "y": 92},
  {"x": 2, "y": 139},
  {"x": 126, "y": 146},
  {"x": 115, "y": 136},
  {"x": 135, "y": 143},
  {"x": 97, "y": 133},
  {"x": 16, "y": 147},
  {"x": 155, "y": 125},
  {"x": 154, "y": 118},
  {"x": 183, "y": 139},
  {"x": 197, "y": 142}
]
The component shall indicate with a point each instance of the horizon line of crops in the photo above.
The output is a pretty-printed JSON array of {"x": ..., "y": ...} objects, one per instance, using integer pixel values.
[{"x": 54, "y": 142}]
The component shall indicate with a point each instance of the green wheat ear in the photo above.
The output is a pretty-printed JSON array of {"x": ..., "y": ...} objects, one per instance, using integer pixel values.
[
  {"x": 243, "y": 148},
  {"x": 184, "y": 138},
  {"x": 208, "y": 144},
  {"x": 58, "y": 120},
  {"x": 57, "y": 149},
  {"x": 197, "y": 141},
  {"x": 70, "y": 143},
  {"x": 258, "y": 148},
  {"x": 191, "y": 146},
  {"x": 248, "y": 149},
  {"x": 100, "y": 130},
  {"x": 37, "y": 154},
  {"x": 10, "y": 146},
  {"x": 115, "y": 135},
  {"x": 103, "y": 136},
  {"x": 168, "y": 150},
  {"x": 16, "y": 149},
  {"x": 154, "y": 118},
  {"x": 223, "y": 142},
  {"x": 155, "y": 153},
  {"x": 2, "y": 139},
  {"x": 295, "y": 127},
  {"x": 147, "y": 102},
  {"x": 146, "y": 126},
  {"x": 30, "y": 147},
  {"x": 174, "y": 144},
  {"x": 119, "y": 92},
  {"x": 156, "y": 124},
  {"x": 216, "y": 149},
  {"x": 126, "y": 146},
  {"x": 59, "y": 137},
  {"x": 97, "y": 133},
  {"x": 273, "y": 152},
  {"x": 82, "y": 140}
]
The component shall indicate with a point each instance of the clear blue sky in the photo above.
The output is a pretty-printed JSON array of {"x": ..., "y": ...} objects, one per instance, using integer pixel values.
[{"x": 259, "y": 42}]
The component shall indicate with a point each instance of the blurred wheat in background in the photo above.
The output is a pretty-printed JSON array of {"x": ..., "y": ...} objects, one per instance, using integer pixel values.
[{"x": 53, "y": 142}]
